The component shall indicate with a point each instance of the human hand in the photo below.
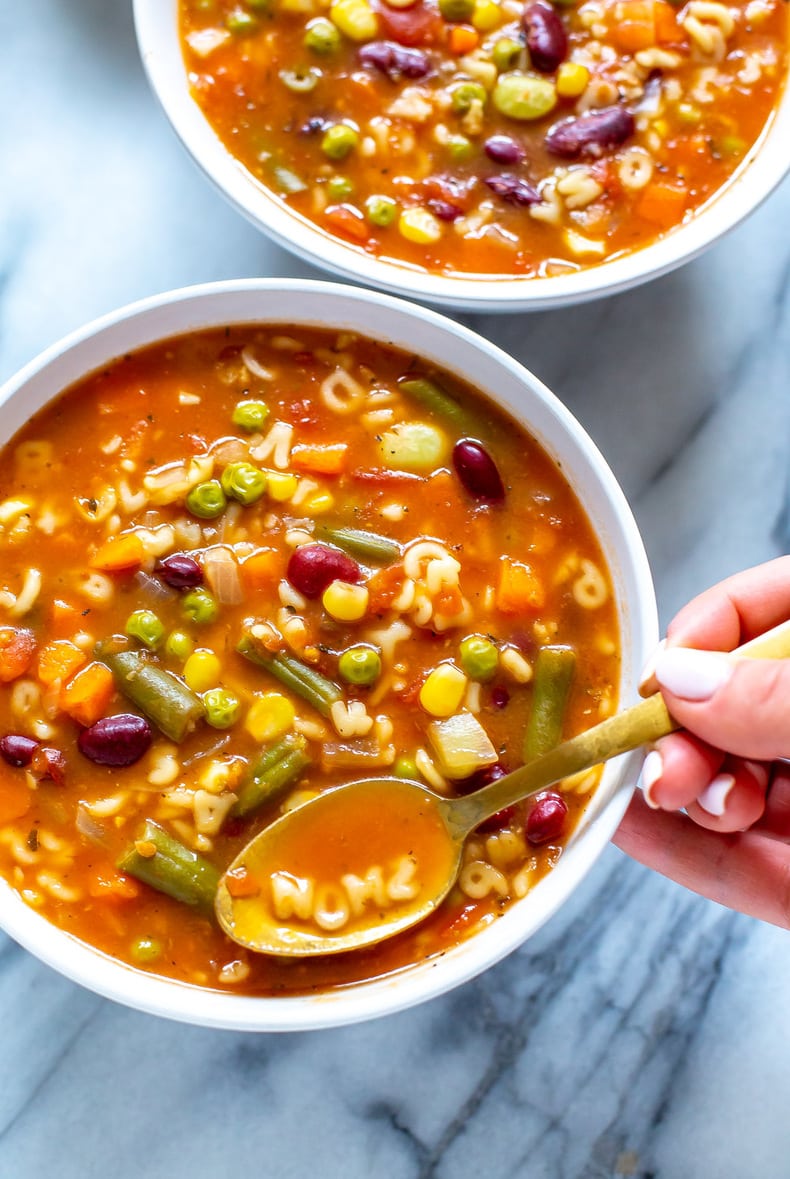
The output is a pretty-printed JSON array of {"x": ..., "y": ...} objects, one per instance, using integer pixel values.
[{"x": 726, "y": 768}]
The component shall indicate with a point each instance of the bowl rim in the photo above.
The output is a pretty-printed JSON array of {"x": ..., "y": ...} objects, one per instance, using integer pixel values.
[
  {"x": 329, "y": 304},
  {"x": 761, "y": 171}
]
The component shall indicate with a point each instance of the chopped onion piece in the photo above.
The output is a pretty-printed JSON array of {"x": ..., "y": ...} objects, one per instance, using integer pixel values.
[
  {"x": 153, "y": 588},
  {"x": 91, "y": 828},
  {"x": 354, "y": 754},
  {"x": 222, "y": 575},
  {"x": 461, "y": 744}
]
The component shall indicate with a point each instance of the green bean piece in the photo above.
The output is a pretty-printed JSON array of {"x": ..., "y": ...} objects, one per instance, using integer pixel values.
[
  {"x": 369, "y": 546},
  {"x": 551, "y": 685},
  {"x": 442, "y": 404},
  {"x": 172, "y": 869},
  {"x": 276, "y": 769},
  {"x": 305, "y": 681},
  {"x": 465, "y": 93},
  {"x": 144, "y": 626},
  {"x": 166, "y": 700}
]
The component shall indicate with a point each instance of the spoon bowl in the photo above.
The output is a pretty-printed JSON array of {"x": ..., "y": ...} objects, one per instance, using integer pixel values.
[{"x": 365, "y": 861}]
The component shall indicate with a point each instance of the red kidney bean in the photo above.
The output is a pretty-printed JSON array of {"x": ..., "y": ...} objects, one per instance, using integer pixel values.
[
  {"x": 547, "y": 40},
  {"x": 513, "y": 189},
  {"x": 179, "y": 571},
  {"x": 315, "y": 566},
  {"x": 590, "y": 132},
  {"x": 17, "y": 750},
  {"x": 47, "y": 762},
  {"x": 477, "y": 470},
  {"x": 483, "y": 778},
  {"x": 417, "y": 25},
  {"x": 116, "y": 740},
  {"x": 444, "y": 210},
  {"x": 394, "y": 60},
  {"x": 500, "y": 697},
  {"x": 546, "y": 819},
  {"x": 503, "y": 149}
]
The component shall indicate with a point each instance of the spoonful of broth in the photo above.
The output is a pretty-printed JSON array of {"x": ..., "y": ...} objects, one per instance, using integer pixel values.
[{"x": 367, "y": 860}]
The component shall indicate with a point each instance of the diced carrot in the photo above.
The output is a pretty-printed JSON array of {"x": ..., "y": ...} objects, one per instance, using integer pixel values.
[
  {"x": 262, "y": 569},
  {"x": 348, "y": 221},
  {"x": 108, "y": 885},
  {"x": 240, "y": 884},
  {"x": 119, "y": 554},
  {"x": 17, "y": 648},
  {"x": 519, "y": 589},
  {"x": 59, "y": 660},
  {"x": 384, "y": 587},
  {"x": 449, "y": 601},
  {"x": 463, "y": 39},
  {"x": 320, "y": 460},
  {"x": 663, "y": 203},
  {"x": 635, "y": 26},
  {"x": 15, "y": 798},
  {"x": 87, "y": 694},
  {"x": 668, "y": 31},
  {"x": 63, "y": 617}
]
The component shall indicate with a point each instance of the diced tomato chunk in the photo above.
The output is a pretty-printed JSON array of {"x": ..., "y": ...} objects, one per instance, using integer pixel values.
[{"x": 17, "y": 648}]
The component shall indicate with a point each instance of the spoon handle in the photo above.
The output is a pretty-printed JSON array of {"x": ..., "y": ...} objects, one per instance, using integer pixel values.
[{"x": 641, "y": 724}]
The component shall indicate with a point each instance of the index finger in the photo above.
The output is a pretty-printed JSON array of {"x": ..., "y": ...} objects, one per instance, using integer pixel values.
[{"x": 735, "y": 610}]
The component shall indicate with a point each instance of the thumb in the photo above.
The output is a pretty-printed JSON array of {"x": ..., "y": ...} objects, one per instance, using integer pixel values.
[{"x": 738, "y": 705}]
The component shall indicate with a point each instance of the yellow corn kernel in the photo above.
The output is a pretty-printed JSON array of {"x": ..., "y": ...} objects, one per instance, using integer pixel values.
[
  {"x": 419, "y": 225},
  {"x": 355, "y": 18},
  {"x": 202, "y": 671},
  {"x": 572, "y": 79},
  {"x": 269, "y": 717},
  {"x": 346, "y": 602},
  {"x": 443, "y": 691},
  {"x": 486, "y": 16},
  {"x": 318, "y": 504},
  {"x": 280, "y": 485}
]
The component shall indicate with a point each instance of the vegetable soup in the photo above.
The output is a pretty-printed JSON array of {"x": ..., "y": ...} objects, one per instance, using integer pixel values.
[
  {"x": 491, "y": 137},
  {"x": 243, "y": 566}
]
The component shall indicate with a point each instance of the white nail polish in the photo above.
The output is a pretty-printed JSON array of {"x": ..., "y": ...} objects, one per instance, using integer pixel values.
[
  {"x": 649, "y": 670},
  {"x": 652, "y": 769},
  {"x": 714, "y": 797},
  {"x": 692, "y": 675}
]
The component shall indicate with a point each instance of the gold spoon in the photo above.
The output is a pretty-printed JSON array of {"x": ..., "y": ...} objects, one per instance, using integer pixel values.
[{"x": 367, "y": 860}]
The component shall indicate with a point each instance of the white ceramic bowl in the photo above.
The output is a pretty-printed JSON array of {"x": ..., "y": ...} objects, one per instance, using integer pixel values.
[
  {"x": 439, "y": 340},
  {"x": 157, "y": 33}
]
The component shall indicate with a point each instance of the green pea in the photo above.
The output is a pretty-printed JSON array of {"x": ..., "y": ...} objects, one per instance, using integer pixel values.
[
  {"x": 506, "y": 53},
  {"x": 178, "y": 645},
  {"x": 381, "y": 210},
  {"x": 146, "y": 949},
  {"x": 406, "y": 767},
  {"x": 456, "y": 9},
  {"x": 300, "y": 81},
  {"x": 243, "y": 482},
  {"x": 729, "y": 145},
  {"x": 146, "y": 627},
  {"x": 322, "y": 36},
  {"x": 360, "y": 665},
  {"x": 260, "y": 5},
  {"x": 250, "y": 415},
  {"x": 339, "y": 187},
  {"x": 241, "y": 23},
  {"x": 199, "y": 606},
  {"x": 479, "y": 657},
  {"x": 465, "y": 93},
  {"x": 207, "y": 500},
  {"x": 222, "y": 708},
  {"x": 523, "y": 96},
  {"x": 460, "y": 148},
  {"x": 339, "y": 140}
]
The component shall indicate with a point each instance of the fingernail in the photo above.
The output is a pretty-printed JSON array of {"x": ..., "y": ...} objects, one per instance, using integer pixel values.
[
  {"x": 649, "y": 670},
  {"x": 652, "y": 769},
  {"x": 714, "y": 797},
  {"x": 692, "y": 675}
]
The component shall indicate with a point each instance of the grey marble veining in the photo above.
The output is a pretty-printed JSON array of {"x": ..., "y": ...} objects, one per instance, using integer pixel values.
[{"x": 645, "y": 1031}]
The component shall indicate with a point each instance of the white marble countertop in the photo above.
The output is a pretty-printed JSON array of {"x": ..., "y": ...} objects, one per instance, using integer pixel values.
[{"x": 643, "y": 1032}]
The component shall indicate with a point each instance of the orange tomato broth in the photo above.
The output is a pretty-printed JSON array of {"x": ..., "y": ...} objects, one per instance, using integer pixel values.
[
  {"x": 701, "y": 81},
  {"x": 78, "y": 486}
]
